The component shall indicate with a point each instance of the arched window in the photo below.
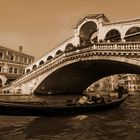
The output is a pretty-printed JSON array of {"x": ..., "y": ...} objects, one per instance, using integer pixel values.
[
  {"x": 70, "y": 48},
  {"x": 11, "y": 70},
  {"x": 34, "y": 67},
  {"x": 15, "y": 70},
  {"x": 113, "y": 36},
  {"x": 133, "y": 34},
  {"x": 11, "y": 57},
  {"x": 41, "y": 62},
  {"x": 49, "y": 58},
  {"x": 28, "y": 70},
  {"x": 58, "y": 52}
]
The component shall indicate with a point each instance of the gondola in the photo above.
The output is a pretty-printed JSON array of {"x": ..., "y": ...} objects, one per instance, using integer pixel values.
[{"x": 45, "y": 109}]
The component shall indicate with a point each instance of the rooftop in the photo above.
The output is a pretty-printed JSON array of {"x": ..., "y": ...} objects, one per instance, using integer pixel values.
[{"x": 14, "y": 51}]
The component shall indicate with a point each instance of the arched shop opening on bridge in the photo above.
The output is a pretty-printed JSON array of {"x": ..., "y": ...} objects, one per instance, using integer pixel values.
[
  {"x": 113, "y": 36},
  {"x": 49, "y": 57},
  {"x": 88, "y": 33},
  {"x": 133, "y": 34}
]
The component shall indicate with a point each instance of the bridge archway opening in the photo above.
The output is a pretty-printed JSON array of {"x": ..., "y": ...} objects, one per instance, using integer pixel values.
[
  {"x": 70, "y": 48},
  {"x": 41, "y": 62},
  {"x": 80, "y": 75},
  {"x": 28, "y": 70},
  {"x": 58, "y": 52},
  {"x": 133, "y": 34},
  {"x": 88, "y": 33},
  {"x": 49, "y": 58},
  {"x": 34, "y": 67},
  {"x": 113, "y": 36}
]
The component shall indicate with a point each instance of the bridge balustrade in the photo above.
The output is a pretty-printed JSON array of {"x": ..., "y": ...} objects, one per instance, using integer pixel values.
[{"x": 114, "y": 46}]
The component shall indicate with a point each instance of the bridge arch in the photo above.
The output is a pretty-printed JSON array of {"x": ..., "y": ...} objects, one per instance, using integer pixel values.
[
  {"x": 113, "y": 35},
  {"x": 78, "y": 75},
  {"x": 133, "y": 34},
  {"x": 86, "y": 31}
]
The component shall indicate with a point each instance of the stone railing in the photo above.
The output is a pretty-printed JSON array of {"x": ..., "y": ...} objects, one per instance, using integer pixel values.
[{"x": 117, "y": 46}]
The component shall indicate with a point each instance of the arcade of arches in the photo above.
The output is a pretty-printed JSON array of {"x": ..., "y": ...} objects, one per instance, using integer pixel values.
[{"x": 89, "y": 34}]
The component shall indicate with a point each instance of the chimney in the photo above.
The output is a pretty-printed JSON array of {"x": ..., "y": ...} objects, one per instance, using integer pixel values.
[{"x": 20, "y": 49}]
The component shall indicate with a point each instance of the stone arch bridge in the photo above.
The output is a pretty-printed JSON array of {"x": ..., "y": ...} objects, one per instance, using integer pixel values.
[{"x": 97, "y": 49}]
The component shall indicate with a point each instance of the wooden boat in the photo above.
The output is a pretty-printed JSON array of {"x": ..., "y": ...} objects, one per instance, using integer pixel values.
[{"x": 45, "y": 109}]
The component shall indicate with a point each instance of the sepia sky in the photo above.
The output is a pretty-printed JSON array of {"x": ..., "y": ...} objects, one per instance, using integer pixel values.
[{"x": 40, "y": 25}]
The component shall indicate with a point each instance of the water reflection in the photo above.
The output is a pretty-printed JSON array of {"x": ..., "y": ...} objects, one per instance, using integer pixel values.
[
  {"x": 46, "y": 127},
  {"x": 120, "y": 123}
]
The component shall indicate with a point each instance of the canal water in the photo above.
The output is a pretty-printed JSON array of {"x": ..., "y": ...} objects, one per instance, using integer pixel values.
[{"x": 122, "y": 123}]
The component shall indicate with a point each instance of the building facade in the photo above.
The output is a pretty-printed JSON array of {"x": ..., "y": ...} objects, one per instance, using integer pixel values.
[
  {"x": 106, "y": 84},
  {"x": 131, "y": 82},
  {"x": 12, "y": 64}
]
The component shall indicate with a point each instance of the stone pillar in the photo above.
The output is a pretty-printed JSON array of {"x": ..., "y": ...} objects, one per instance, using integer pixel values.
[
  {"x": 76, "y": 38},
  {"x": 5, "y": 68}
]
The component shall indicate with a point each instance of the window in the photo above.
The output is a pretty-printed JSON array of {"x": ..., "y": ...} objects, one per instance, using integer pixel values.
[
  {"x": 21, "y": 59},
  {"x": 15, "y": 70},
  {"x": 23, "y": 71},
  {"x": 29, "y": 60},
  {"x": 11, "y": 57},
  {"x": 134, "y": 87},
  {"x": 0, "y": 82},
  {"x": 25, "y": 60},
  {"x": 17, "y": 58},
  {"x": 10, "y": 70},
  {"x": 1, "y": 54},
  {"x": 20, "y": 70}
]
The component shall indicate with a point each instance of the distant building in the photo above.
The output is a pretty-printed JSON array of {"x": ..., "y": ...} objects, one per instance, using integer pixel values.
[
  {"x": 131, "y": 82},
  {"x": 12, "y": 64},
  {"x": 105, "y": 84}
]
